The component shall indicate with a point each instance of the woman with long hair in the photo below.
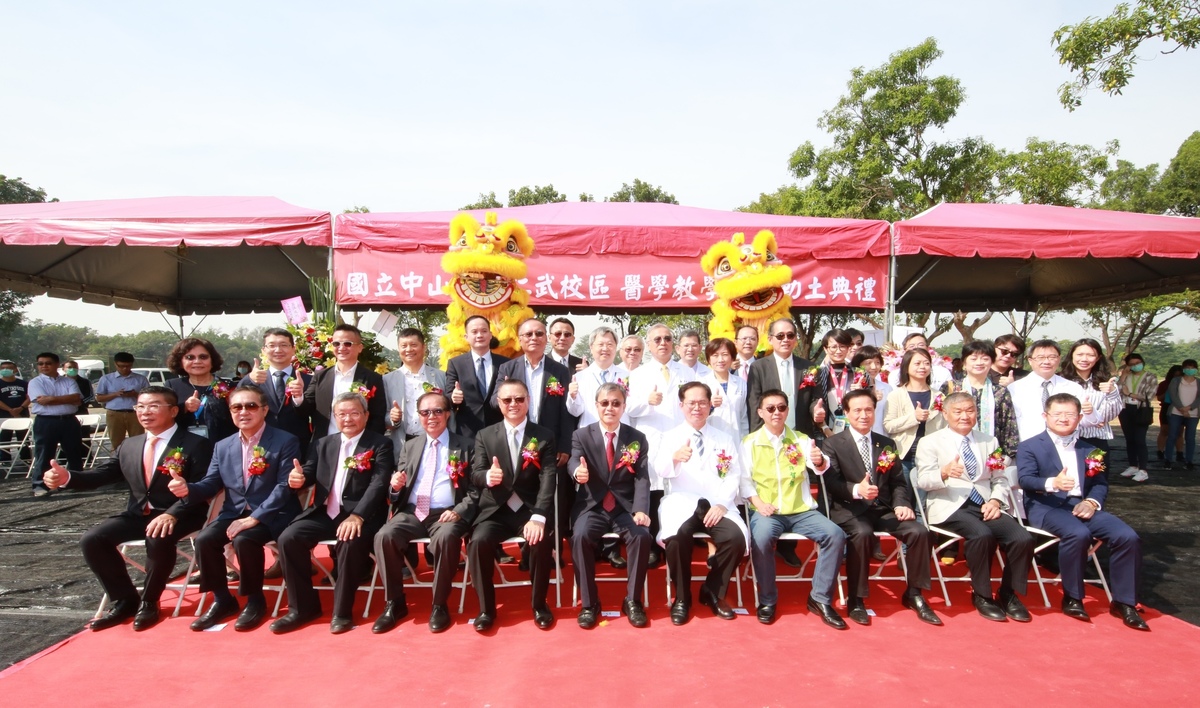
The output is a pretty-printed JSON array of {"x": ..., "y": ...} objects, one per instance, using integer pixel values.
[
  {"x": 1164, "y": 421},
  {"x": 1086, "y": 365},
  {"x": 911, "y": 407}
]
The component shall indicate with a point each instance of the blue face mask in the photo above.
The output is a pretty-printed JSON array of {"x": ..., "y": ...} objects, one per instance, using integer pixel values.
[
  {"x": 6, "y": 372},
  {"x": 1189, "y": 372},
  {"x": 72, "y": 372},
  {"x": 1136, "y": 368}
]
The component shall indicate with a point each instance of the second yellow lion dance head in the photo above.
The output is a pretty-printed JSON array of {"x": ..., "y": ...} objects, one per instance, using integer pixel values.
[{"x": 748, "y": 279}]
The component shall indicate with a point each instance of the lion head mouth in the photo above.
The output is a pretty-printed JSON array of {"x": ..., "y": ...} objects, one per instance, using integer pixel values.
[
  {"x": 483, "y": 290},
  {"x": 758, "y": 301}
]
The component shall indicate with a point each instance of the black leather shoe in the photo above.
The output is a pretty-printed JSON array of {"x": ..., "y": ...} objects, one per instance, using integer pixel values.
[
  {"x": 146, "y": 617},
  {"x": 1129, "y": 615},
  {"x": 543, "y": 617},
  {"x": 766, "y": 614},
  {"x": 292, "y": 621},
  {"x": 719, "y": 607},
  {"x": 635, "y": 612},
  {"x": 1074, "y": 608},
  {"x": 1014, "y": 609},
  {"x": 589, "y": 616},
  {"x": 118, "y": 612},
  {"x": 858, "y": 612},
  {"x": 653, "y": 558},
  {"x": 275, "y": 571},
  {"x": 216, "y": 613},
  {"x": 484, "y": 621},
  {"x": 925, "y": 613},
  {"x": 988, "y": 608},
  {"x": 393, "y": 612},
  {"x": 681, "y": 612},
  {"x": 827, "y": 613},
  {"x": 616, "y": 560},
  {"x": 252, "y": 615},
  {"x": 788, "y": 554},
  {"x": 439, "y": 619},
  {"x": 340, "y": 625}
]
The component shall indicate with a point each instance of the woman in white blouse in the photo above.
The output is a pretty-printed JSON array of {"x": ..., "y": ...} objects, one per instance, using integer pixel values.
[
  {"x": 1085, "y": 365},
  {"x": 728, "y": 391}
]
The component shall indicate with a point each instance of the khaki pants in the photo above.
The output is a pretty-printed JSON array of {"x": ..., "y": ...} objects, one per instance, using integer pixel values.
[{"x": 122, "y": 424}]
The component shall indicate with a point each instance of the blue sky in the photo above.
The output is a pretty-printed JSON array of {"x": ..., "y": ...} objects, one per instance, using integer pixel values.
[{"x": 417, "y": 106}]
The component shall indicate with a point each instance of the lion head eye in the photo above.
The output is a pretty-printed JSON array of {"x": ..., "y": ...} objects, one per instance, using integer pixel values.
[
  {"x": 723, "y": 268},
  {"x": 771, "y": 256},
  {"x": 462, "y": 241},
  {"x": 511, "y": 246}
]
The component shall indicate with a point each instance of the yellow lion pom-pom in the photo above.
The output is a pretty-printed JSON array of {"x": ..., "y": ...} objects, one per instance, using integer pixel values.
[{"x": 748, "y": 280}]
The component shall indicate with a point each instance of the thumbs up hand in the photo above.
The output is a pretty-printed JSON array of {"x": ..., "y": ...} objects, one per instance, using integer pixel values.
[
  {"x": 1108, "y": 386},
  {"x": 581, "y": 472},
  {"x": 258, "y": 374},
  {"x": 655, "y": 397},
  {"x": 296, "y": 476},
  {"x": 456, "y": 396},
  {"x": 395, "y": 414},
  {"x": 717, "y": 399},
  {"x": 954, "y": 468},
  {"x": 819, "y": 412},
  {"x": 296, "y": 388},
  {"x": 866, "y": 490},
  {"x": 56, "y": 476},
  {"x": 193, "y": 404},
  {"x": 177, "y": 485},
  {"x": 583, "y": 364},
  {"x": 573, "y": 388},
  {"x": 920, "y": 413},
  {"x": 684, "y": 453},
  {"x": 399, "y": 479},
  {"x": 1062, "y": 482},
  {"x": 495, "y": 475}
]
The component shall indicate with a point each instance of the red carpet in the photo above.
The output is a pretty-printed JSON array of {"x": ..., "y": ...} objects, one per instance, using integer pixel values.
[{"x": 798, "y": 661}]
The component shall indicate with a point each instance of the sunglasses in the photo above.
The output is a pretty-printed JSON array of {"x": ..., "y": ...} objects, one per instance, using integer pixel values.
[
  {"x": 559, "y": 335},
  {"x": 340, "y": 345},
  {"x": 235, "y": 407},
  {"x": 780, "y": 408},
  {"x": 783, "y": 336},
  {"x": 196, "y": 357},
  {"x": 660, "y": 340},
  {"x": 431, "y": 411},
  {"x": 512, "y": 400},
  {"x": 533, "y": 335},
  {"x": 1007, "y": 352},
  {"x": 609, "y": 404}
]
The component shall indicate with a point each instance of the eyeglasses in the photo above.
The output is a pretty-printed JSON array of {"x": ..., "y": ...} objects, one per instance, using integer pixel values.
[
  {"x": 609, "y": 404},
  {"x": 1062, "y": 416},
  {"x": 431, "y": 411},
  {"x": 532, "y": 335},
  {"x": 196, "y": 357},
  {"x": 697, "y": 404},
  {"x": 235, "y": 407},
  {"x": 836, "y": 347},
  {"x": 1000, "y": 351},
  {"x": 340, "y": 345},
  {"x": 150, "y": 407},
  {"x": 747, "y": 339},
  {"x": 781, "y": 408},
  {"x": 630, "y": 350},
  {"x": 783, "y": 336},
  {"x": 512, "y": 400},
  {"x": 663, "y": 339},
  {"x": 1045, "y": 357}
]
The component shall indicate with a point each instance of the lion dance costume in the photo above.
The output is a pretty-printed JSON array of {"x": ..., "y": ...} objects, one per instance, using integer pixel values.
[
  {"x": 748, "y": 280},
  {"x": 484, "y": 262}
]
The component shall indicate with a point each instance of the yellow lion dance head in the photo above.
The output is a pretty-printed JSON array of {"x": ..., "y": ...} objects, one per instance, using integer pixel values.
[
  {"x": 485, "y": 261},
  {"x": 748, "y": 279}
]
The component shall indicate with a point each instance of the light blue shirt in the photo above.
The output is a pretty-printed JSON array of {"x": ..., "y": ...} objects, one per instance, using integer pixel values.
[
  {"x": 43, "y": 385},
  {"x": 114, "y": 382}
]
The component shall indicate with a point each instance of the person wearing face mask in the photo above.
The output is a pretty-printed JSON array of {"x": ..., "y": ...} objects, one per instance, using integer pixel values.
[
  {"x": 1185, "y": 411},
  {"x": 243, "y": 369},
  {"x": 71, "y": 369},
  {"x": 14, "y": 401},
  {"x": 1137, "y": 388}
]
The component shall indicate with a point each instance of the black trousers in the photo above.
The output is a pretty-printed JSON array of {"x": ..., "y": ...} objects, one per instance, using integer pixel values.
[
  {"x": 99, "y": 545},
  {"x": 353, "y": 561},
  {"x": 481, "y": 556},
  {"x": 731, "y": 547},
  {"x": 445, "y": 543},
  {"x": 50, "y": 433},
  {"x": 248, "y": 545},
  {"x": 980, "y": 539},
  {"x": 590, "y": 526},
  {"x": 860, "y": 537}
]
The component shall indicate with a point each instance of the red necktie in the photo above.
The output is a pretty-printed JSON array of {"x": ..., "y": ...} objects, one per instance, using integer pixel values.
[{"x": 610, "y": 502}]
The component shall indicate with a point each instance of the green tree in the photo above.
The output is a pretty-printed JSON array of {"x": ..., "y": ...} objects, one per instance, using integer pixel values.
[
  {"x": 884, "y": 162},
  {"x": 585, "y": 197},
  {"x": 1049, "y": 172},
  {"x": 1128, "y": 187},
  {"x": 528, "y": 196},
  {"x": 485, "y": 201},
  {"x": 1102, "y": 51},
  {"x": 356, "y": 209},
  {"x": 1180, "y": 185},
  {"x": 16, "y": 191},
  {"x": 1121, "y": 327},
  {"x": 641, "y": 191}
]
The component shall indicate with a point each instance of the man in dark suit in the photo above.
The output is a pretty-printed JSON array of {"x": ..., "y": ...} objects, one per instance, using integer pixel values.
[
  {"x": 283, "y": 387},
  {"x": 350, "y": 471},
  {"x": 1066, "y": 484},
  {"x": 471, "y": 380},
  {"x": 614, "y": 495},
  {"x": 147, "y": 463},
  {"x": 770, "y": 372},
  {"x": 547, "y": 382},
  {"x": 562, "y": 338},
  {"x": 513, "y": 476},
  {"x": 252, "y": 468},
  {"x": 869, "y": 495},
  {"x": 346, "y": 375},
  {"x": 430, "y": 494}
]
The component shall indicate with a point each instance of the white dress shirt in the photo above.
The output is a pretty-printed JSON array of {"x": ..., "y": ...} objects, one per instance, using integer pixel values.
[
  {"x": 341, "y": 384},
  {"x": 442, "y": 496},
  {"x": 333, "y": 505},
  {"x": 1026, "y": 396},
  {"x": 583, "y": 405}
]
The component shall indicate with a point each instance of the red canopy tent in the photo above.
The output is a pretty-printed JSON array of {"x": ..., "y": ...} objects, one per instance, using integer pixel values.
[
  {"x": 1016, "y": 256},
  {"x": 180, "y": 255},
  {"x": 612, "y": 256}
]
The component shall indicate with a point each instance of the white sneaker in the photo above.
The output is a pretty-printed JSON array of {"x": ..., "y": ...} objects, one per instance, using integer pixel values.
[
  {"x": 1129, "y": 472},
  {"x": 1140, "y": 476}
]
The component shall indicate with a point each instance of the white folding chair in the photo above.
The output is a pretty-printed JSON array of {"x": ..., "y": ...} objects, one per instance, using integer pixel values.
[
  {"x": 556, "y": 581},
  {"x": 22, "y": 438},
  {"x": 897, "y": 554},
  {"x": 797, "y": 577},
  {"x": 180, "y": 587},
  {"x": 1044, "y": 540},
  {"x": 737, "y": 573},
  {"x": 96, "y": 441},
  {"x": 610, "y": 536}
]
